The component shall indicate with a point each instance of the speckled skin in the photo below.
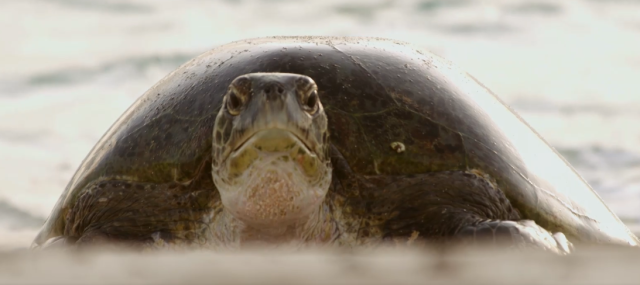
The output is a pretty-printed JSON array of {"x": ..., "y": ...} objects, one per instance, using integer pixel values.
[
  {"x": 271, "y": 150},
  {"x": 466, "y": 156}
]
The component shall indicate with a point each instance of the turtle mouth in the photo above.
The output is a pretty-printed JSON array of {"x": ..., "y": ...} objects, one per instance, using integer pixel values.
[{"x": 274, "y": 139}]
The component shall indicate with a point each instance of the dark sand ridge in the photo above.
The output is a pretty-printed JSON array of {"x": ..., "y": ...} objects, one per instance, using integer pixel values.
[{"x": 411, "y": 265}]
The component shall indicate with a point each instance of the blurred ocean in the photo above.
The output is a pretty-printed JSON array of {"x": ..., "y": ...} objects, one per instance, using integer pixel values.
[{"x": 69, "y": 68}]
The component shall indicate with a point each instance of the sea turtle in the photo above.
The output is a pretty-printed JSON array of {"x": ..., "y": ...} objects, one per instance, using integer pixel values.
[{"x": 325, "y": 140}]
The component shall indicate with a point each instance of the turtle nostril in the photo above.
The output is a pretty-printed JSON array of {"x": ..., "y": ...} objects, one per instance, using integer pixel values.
[{"x": 274, "y": 91}]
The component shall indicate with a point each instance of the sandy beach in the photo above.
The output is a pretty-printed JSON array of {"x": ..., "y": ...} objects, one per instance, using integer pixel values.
[{"x": 598, "y": 265}]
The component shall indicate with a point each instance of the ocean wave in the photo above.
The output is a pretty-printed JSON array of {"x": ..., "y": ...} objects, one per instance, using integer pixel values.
[
  {"x": 14, "y": 218},
  {"x": 568, "y": 108},
  {"x": 132, "y": 67},
  {"x": 616, "y": 1},
  {"x": 438, "y": 5},
  {"x": 540, "y": 8},
  {"x": 476, "y": 28},
  {"x": 106, "y": 6},
  {"x": 597, "y": 157}
]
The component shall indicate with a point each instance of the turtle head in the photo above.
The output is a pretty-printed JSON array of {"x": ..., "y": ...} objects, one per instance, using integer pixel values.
[{"x": 270, "y": 149}]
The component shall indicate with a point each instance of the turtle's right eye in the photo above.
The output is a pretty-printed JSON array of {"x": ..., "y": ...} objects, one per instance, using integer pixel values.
[{"x": 234, "y": 103}]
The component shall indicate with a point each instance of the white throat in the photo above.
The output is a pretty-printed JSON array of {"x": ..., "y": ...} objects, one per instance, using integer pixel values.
[{"x": 272, "y": 192}]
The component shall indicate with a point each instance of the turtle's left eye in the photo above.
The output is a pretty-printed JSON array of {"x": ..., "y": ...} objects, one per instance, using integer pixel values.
[{"x": 311, "y": 103}]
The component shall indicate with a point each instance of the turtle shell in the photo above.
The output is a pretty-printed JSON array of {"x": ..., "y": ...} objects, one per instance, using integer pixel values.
[{"x": 376, "y": 92}]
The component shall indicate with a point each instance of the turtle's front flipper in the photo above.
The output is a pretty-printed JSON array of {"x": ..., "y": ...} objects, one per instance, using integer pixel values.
[
  {"x": 452, "y": 206},
  {"x": 521, "y": 233},
  {"x": 139, "y": 214}
]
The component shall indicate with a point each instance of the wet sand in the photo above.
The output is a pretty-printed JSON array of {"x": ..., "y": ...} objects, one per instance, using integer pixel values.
[{"x": 603, "y": 265}]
